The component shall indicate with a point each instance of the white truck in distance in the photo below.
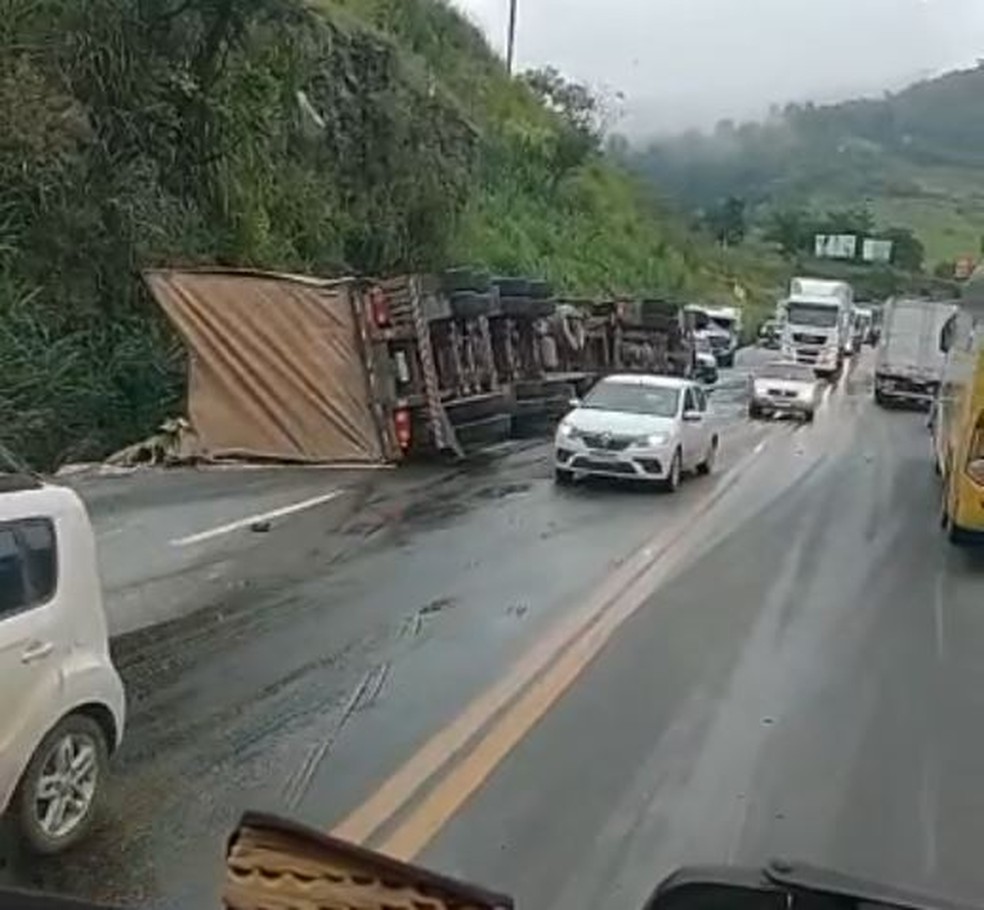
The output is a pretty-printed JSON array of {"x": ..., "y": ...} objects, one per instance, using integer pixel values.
[
  {"x": 910, "y": 363},
  {"x": 817, "y": 329},
  {"x": 727, "y": 327}
]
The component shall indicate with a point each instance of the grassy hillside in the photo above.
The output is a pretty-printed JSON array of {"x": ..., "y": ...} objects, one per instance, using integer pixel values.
[
  {"x": 366, "y": 136},
  {"x": 916, "y": 157}
]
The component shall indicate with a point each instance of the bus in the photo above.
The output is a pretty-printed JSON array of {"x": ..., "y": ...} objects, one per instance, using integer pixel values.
[{"x": 958, "y": 417}]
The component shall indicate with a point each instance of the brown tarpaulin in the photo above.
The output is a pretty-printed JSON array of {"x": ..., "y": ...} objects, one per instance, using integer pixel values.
[{"x": 275, "y": 369}]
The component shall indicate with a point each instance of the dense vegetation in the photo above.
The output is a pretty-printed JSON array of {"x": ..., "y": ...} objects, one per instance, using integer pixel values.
[
  {"x": 916, "y": 158},
  {"x": 364, "y": 136}
]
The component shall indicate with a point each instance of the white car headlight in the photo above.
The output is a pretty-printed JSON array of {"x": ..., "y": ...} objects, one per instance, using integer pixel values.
[
  {"x": 654, "y": 440},
  {"x": 568, "y": 430}
]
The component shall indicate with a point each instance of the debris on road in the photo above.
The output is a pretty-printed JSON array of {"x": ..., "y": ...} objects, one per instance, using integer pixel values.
[{"x": 175, "y": 442}]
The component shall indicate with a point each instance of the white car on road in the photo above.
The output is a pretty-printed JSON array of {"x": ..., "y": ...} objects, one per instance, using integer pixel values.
[
  {"x": 637, "y": 427},
  {"x": 61, "y": 700},
  {"x": 785, "y": 387}
]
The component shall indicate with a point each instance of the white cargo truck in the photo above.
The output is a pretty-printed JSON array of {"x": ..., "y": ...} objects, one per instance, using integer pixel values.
[
  {"x": 818, "y": 324},
  {"x": 909, "y": 362}
]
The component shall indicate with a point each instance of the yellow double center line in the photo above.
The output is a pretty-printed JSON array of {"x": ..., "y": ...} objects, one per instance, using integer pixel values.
[{"x": 520, "y": 698}]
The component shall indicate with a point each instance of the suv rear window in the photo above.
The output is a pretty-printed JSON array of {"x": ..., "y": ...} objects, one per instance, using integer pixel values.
[{"x": 28, "y": 564}]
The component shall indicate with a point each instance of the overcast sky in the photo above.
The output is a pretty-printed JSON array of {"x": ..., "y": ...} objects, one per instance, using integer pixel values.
[{"x": 687, "y": 63}]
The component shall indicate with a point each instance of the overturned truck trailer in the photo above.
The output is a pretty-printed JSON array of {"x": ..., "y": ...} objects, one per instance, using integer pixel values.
[
  {"x": 296, "y": 369},
  {"x": 299, "y": 369}
]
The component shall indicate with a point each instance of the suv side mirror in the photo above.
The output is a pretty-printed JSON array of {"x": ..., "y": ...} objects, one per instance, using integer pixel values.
[
  {"x": 692, "y": 416},
  {"x": 574, "y": 403}
]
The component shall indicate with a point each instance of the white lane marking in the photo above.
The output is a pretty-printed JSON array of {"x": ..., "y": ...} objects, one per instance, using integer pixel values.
[
  {"x": 253, "y": 519},
  {"x": 112, "y": 532},
  {"x": 938, "y": 614},
  {"x": 760, "y": 448}
]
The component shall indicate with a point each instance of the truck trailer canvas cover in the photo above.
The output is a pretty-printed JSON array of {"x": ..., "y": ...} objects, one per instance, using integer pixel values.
[{"x": 275, "y": 366}]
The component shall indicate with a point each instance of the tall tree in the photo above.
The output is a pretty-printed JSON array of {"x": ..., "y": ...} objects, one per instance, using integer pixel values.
[{"x": 727, "y": 221}]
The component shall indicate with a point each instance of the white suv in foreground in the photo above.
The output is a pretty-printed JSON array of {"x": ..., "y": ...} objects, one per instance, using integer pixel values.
[{"x": 61, "y": 700}]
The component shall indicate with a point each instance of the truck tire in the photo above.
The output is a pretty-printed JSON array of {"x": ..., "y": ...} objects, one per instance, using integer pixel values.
[
  {"x": 754, "y": 412},
  {"x": 465, "y": 279},
  {"x": 470, "y": 304},
  {"x": 880, "y": 399},
  {"x": 526, "y": 307},
  {"x": 512, "y": 287}
]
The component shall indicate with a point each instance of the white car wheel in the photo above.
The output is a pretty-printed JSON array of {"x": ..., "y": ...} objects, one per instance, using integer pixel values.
[
  {"x": 672, "y": 481},
  {"x": 707, "y": 465},
  {"x": 57, "y": 796}
]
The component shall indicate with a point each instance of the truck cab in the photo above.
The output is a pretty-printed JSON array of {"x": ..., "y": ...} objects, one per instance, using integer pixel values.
[
  {"x": 725, "y": 325},
  {"x": 818, "y": 324}
]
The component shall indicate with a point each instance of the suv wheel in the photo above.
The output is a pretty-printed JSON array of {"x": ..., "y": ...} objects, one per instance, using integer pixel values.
[{"x": 57, "y": 797}]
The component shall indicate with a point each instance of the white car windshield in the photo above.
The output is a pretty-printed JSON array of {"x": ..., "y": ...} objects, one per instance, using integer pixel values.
[
  {"x": 792, "y": 372},
  {"x": 633, "y": 398}
]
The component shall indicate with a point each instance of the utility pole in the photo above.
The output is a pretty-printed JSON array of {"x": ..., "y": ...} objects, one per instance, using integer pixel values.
[{"x": 511, "y": 38}]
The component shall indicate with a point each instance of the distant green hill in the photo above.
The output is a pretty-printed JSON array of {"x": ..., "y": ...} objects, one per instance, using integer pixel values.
[{"x": 916, "y": 157}]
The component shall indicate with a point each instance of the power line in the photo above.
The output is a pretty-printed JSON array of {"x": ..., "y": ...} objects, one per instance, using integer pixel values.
[{"x": 511, "y": 39}]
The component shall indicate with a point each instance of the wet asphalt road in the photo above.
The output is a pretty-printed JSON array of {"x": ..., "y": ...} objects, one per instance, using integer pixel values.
[{"x": 785, "y": 658}]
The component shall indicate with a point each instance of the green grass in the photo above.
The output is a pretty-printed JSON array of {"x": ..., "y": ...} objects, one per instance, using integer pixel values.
[{"x": 947, "y": 227}]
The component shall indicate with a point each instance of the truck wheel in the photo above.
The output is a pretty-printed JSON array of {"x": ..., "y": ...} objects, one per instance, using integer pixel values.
[
  {"x": 465, "y": 279},
  {"x": 809, "y": 416},
  {"x": 754, "y": 412},
  {"x": 512, "y": 287},
  {"x": 470, "y": 304},
  {"x": 58, "y": 795},
  {"x": 881, "y": 400}
]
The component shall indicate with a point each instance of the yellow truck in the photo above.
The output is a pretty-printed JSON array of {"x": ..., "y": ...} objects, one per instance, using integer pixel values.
[{"x": 958, "y": 417}]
